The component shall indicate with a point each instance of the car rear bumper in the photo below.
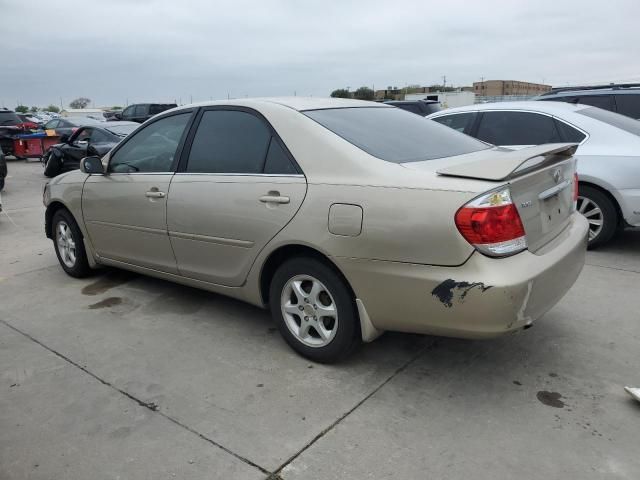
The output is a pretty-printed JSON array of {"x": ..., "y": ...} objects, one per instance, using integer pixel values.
[{"x": 484, "y": 297}]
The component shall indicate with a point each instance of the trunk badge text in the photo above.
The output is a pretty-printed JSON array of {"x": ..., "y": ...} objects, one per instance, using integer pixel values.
[{"x": 525, "y": 204}]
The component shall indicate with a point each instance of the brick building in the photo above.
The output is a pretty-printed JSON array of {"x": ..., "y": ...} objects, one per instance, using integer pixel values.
[{"x": 508, "y": 87}]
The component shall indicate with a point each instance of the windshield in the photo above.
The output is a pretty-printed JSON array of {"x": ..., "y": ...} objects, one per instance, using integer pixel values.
[
  {"x": 9, "y": 118},
  {"x": 123, "y": 130},
  {"x": 394, "y": 135},
  {"x": 615, "y": 119}
]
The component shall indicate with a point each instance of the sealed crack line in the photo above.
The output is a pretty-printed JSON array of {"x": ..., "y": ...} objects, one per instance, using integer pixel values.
[
  {"x": 399, "y": 370},
  {"x": 149, "y": 405},
  {"x": 612, "y": 268}
]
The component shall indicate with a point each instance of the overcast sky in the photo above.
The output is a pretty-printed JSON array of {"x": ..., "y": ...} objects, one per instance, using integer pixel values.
[{"x": 120, "y": 51}]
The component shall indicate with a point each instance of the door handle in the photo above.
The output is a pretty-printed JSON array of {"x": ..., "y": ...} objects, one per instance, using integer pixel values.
[
  {"x": 154, "y": 194},
  {"x": 274, "y": 198}
]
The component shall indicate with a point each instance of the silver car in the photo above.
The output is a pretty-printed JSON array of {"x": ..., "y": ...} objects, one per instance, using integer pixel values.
[
  {"x": 345, "y": 218},
  {"x": 608, "y": 153}
]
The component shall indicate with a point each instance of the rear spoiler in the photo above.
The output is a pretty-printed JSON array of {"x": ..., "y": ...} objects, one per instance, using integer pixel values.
[{"x": 510, "y": 163}]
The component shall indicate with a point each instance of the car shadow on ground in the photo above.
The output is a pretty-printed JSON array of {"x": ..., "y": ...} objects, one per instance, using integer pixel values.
[{"x": 197, "y": 307}]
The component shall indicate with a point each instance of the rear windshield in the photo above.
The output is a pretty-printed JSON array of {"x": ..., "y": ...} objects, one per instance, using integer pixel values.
[
  {"x": 394, "y": 135},
  {"x": 9, "y": 118},
  {"x": 625, "y": 123}
]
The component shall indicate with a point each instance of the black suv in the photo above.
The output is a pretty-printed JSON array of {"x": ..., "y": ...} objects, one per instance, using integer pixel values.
[
  {"x": 623, "y": 99},
  {"x": 141, "y": 112},
  {"x": 10, "y": 124},
  {"x": 419, "y": 107}
]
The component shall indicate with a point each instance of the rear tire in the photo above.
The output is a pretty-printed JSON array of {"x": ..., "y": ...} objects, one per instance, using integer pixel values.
[
  {"x": 69, "y": 244},
  {"x": 601, "y": 213},
  {"x": 314, "y": 309}
]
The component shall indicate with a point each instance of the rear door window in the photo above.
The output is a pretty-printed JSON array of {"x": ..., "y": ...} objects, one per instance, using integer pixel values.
[
  {"x": 569, "y": 133},
  {"x": 229, "y": 141},
  {"x": 278, "y": 162},
  {"x": 601, "y": 101},
  {"x": 517, "y": 128},
  {"x": 461, "y": 122},
  {"x": 629, "y": 105}
]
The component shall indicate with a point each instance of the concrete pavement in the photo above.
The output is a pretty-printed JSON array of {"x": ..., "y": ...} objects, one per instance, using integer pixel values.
[{"x": 124, "y": 376}]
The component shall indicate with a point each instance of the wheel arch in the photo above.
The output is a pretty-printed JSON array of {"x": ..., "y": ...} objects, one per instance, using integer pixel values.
[
  {"x": 278, "y": 256},
  {"x": 608, "y": 194},
  {"x": 51, "y": 210}
]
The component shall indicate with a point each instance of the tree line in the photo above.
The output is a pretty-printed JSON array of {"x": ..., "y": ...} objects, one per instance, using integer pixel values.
[{"x": 362, "y": 93}]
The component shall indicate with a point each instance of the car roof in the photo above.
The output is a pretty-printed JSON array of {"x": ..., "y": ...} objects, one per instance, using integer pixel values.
[
  {"x": 82, "y": 121},
  {"x": 398, "y": 102},
  {"x": 587, "y": 91},
  {"x": 535, "y": 106},
  {"x": 296, "y": 103}
]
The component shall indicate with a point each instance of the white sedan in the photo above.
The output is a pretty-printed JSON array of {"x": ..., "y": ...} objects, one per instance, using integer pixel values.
[{"x": 608, "y": 153}]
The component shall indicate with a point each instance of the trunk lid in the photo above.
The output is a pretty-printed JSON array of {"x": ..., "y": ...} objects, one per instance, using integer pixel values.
[{"x": 541, "y": 181}]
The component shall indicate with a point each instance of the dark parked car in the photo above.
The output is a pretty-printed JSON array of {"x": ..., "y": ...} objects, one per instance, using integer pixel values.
[
  {"x": 86, "y": 141},
  {"x": 10, "y": 125},
  {"x": 112, "y": 115},
  {"x": 141, "y": 112},
  {"x": 419, "y": 107},
  {"x": 68, "y": 125},
  {"x": 3, "y": 171},
  {"x": 623, "y": 99}
]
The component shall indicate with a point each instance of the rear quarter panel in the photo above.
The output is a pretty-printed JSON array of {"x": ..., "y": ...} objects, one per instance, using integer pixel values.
[{"x": 398, "y": 224}]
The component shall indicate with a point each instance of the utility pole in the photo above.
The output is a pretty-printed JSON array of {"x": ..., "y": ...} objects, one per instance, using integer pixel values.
[{"x": 444, "y": 81}]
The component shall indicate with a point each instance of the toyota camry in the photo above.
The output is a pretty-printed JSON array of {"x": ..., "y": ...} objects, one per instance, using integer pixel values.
[{"x": 345, "y": 218}]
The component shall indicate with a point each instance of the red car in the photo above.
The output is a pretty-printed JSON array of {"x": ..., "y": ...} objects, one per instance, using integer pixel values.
[{"x": 28, "y": 122}]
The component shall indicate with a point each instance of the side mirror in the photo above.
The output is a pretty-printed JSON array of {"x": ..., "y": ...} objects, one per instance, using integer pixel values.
[
  {"x": 64, "y": 138},
  {"x": 92, "y": 166}
]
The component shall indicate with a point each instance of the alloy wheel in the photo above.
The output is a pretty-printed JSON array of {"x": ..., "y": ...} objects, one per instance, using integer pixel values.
[
  {"x": 309, "y": 310},
  {"x": 66, "y": 244},
  {"x": 594, "y": 215}
]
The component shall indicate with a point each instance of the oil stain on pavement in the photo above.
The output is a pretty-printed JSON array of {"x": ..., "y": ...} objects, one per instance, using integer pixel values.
[
  {"x": 106, "y": 303},
  {"x": 551, "y": 399},
  {"x": 107, "y": 282}
]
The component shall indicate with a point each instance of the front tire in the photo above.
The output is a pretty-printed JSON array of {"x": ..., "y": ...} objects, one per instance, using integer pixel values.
[
  {"x": 601, "y": 213},
  {"x": 314, "y": 309},
  {"x": 69, "y": 245}
]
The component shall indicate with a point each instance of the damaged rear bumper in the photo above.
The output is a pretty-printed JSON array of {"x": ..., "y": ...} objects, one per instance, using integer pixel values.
[{"x": 484, "y": 297}]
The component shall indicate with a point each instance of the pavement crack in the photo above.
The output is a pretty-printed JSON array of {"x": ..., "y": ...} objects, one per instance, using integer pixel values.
[
  {"x": 149, "y": 405},
  {"x": 612, "y": 268},
  {"x": 399, "y": 370}
]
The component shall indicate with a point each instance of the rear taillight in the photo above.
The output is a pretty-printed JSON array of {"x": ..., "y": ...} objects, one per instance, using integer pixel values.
[{"x": 491, "y": 223}]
